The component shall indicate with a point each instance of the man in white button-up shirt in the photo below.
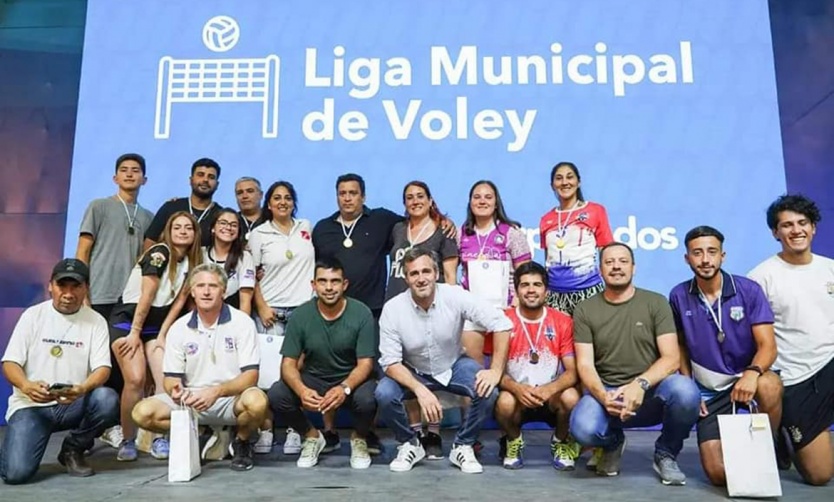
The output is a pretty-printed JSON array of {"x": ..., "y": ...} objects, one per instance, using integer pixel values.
[{"x": 420, "y": 351}]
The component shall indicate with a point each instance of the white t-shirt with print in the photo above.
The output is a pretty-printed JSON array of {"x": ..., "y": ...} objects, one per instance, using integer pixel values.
[
  {"x": 802, "y": 299},
  {"x": 56, "y": 348},
  {"x": 243, "y": 275}
]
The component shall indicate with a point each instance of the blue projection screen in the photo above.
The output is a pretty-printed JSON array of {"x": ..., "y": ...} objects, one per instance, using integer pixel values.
[{"x": 668, "y": 108}]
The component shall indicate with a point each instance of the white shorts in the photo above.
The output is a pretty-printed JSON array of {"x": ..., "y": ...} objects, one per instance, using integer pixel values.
[{"x": 222, "y": 412}]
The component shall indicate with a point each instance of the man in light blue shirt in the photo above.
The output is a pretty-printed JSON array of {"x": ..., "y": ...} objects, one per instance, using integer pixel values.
[{"x": 421, "y": 353}]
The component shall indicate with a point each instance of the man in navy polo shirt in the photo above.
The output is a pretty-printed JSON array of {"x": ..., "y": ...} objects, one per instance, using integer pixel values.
[{"x": 725, "y": 326}]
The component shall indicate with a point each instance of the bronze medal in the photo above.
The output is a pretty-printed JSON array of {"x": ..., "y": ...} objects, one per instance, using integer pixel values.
[{"x": 534, "y": 357}]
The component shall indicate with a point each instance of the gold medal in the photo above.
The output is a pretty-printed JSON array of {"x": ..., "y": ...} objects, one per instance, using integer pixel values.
[
  {"x": 560, "y": 243},
  {"x": 348, "y": 242},
  {"x": 289, "y": 254},
  {"x": 56, "y": 351}
]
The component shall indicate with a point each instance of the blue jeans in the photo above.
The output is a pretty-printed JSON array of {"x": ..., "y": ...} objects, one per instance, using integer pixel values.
[
  {"x": 674, "y": 402},
  {"x": 390, "y": 396},
  {"x": 29, "y": 429}
]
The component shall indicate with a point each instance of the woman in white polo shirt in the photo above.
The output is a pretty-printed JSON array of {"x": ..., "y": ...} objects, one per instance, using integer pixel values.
[
  {"x": 282, "y": 249},
  {"x": 227, "y": 250}
]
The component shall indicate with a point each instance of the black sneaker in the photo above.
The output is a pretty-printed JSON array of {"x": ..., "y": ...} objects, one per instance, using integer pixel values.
[
  {"x": 502, "y": 447},
  {"x": 783, "y": 450},
  {"x": 433, "y": 444},
  {"x": 244, "y": 455},
  {"x": 374, "y": 444},
  {"x": 75, "y": 463},
  {"x": 332, "y": 441}
]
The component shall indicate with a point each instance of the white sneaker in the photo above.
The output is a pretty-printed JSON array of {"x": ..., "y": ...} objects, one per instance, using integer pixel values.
[
  {"x": 359, "y": 456},
  {"x": 463, "y": 456},
  {"x": 310, "y": 451},
  {"x": 113, "y": 436},
  {"x": 264, "y": 444},
  {"x": 292, "y": 445},
  {"x": 407, "y": 456}
]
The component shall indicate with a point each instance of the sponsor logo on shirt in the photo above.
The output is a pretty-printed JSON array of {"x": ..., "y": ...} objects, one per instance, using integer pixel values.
[
  {"x": 548, "y": 333},
  {"x": 69, "y": 343},
  {"x": 688, "y": 313},
  {"x": 737, "y": 313},
  {"x": 305, "y": 235},
  {"x": 191, "y": 348},
  {"x": 249, "y": 274}
]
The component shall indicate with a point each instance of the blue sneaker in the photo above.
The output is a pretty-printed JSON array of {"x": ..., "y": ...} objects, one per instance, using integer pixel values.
[
  {"x": 160, "y": 448},
  {"x": 127, "y": 451},
  {"x": 513, "y": 458}
]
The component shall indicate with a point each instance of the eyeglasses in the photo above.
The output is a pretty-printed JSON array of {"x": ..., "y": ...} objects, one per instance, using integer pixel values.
[{"x": 227, "y": 224}]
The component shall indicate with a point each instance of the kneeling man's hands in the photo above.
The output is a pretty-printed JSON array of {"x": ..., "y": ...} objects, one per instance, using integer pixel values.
[
  {"x": 430, "y": 405},
  {"x": 528, "y": 397},
  {"x": 203, "y": 399},
  {"x": 311, "y": 400},
  {"x": 486, "y": 381},
  {"x": 632, "y": 397},
  {"x": 333, "y": 399},
  {"x": 745, "y": 388}
]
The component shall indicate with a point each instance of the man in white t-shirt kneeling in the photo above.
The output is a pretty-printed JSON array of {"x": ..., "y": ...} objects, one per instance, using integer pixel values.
[
  {"x": 211, "y": 364},
  {"x": 57, "y": 360},
  {"x": 799, "y": 286}
]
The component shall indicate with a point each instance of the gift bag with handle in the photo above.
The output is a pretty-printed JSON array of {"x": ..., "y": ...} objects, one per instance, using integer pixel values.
[
  {"x": 269, "y": 345},
  {"x": 749, "y": 457},
  {"x": 184, "y": 454}
]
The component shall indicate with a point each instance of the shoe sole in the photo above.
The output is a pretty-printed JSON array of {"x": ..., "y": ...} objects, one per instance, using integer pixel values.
[
  {"x": 565, "y": 468},
  {"x": 292, "y": 450},
  {"x": 242, "y": 469},
  {"x": 262, "y": 450},
  {"x": 465, "y": 471},
  {"x": 124, "y": 459},
  {"x": 160, "y": 457},
  {"x": 364, "y": 464},
  {"x": 415, "y": 462},
  {"x": 513, "y": 467},
  {"x": 666, "y": 482},
  {"x": 331, "y": 449},
  {"x": 435, "y": 457},
  {"x": 74, "y": 474}
]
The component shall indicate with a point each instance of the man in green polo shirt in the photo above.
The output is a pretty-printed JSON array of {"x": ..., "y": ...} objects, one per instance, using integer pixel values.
[{"x": 335, "y": 335}]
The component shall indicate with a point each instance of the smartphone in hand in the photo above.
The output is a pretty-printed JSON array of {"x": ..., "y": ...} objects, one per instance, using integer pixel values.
[{"x": 59, "y": 388}]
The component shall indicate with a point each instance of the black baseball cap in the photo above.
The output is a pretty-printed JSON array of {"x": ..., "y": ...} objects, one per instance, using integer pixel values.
[{"x": 70, "y": 268}]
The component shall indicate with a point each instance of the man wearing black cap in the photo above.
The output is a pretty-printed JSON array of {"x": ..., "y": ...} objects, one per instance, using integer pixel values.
[{"x": 57, "y": 360}]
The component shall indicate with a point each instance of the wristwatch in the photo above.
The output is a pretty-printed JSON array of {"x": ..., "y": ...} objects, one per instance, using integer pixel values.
[
  {"x": 344, "y": 386},
  {"x": 753, "y": 367},
  {"x": 643, "y": 383}
]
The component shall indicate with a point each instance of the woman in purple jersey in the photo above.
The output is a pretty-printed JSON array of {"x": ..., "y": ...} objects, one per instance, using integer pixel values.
[{"x": 489, "y": 242}]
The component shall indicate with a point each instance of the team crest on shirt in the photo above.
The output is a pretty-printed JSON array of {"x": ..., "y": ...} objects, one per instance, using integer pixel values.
[
  {"x": 548, "y": 333},
  {"x": 829, "y": 286},
  {"x": 230, "y": 344},
  {"x": 737, "y": 313},
  {"x": 582, "y": 217},
  {"x": 157, "y": 259},
  {"x": 305, "y": 235},
  {"x": 499, "y": 239},
  {"x": 191, "y": 348},
  {"x": 249, "y": 274}
]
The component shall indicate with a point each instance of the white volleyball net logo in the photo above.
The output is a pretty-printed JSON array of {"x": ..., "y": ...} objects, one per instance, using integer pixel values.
[{"x": 237, "y": 80}]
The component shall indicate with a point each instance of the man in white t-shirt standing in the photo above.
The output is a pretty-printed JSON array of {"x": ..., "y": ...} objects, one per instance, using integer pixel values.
[
  {"x": 211, "y": 364},
  {"x": 800, "y": 288},
  {"x": 57, "y": 360}
]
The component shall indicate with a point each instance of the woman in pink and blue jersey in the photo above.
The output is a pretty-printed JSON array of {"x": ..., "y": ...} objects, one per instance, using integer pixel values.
[
  {"x": 571, "y": 233},
  {"x": 489, "y": 236}
]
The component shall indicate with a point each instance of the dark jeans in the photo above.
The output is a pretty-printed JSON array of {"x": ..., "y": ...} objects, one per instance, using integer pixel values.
[
  {"x": 286, "y": 404},
  {"x": 675, "y": 402},
  {"x": 390, "y": 396},
  {"x": 29, "y": 429}
]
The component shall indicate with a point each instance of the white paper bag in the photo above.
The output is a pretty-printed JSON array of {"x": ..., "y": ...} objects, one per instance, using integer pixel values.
[
  {"x": 749, "y": 457},
  {"x": 270, "y": 368},
  {"x": 184, "y": 454},
  {"x": 489, "y": 280}
]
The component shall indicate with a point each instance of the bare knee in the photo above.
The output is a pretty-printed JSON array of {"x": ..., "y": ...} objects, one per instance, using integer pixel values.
[
  {"x": 769, "y": 390},
  {"x": 254, "y": 401},
  {"x": 506, "y": 404},
  {"x": 568, "y": 399},
  {"x": 148, "y": 413}
]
